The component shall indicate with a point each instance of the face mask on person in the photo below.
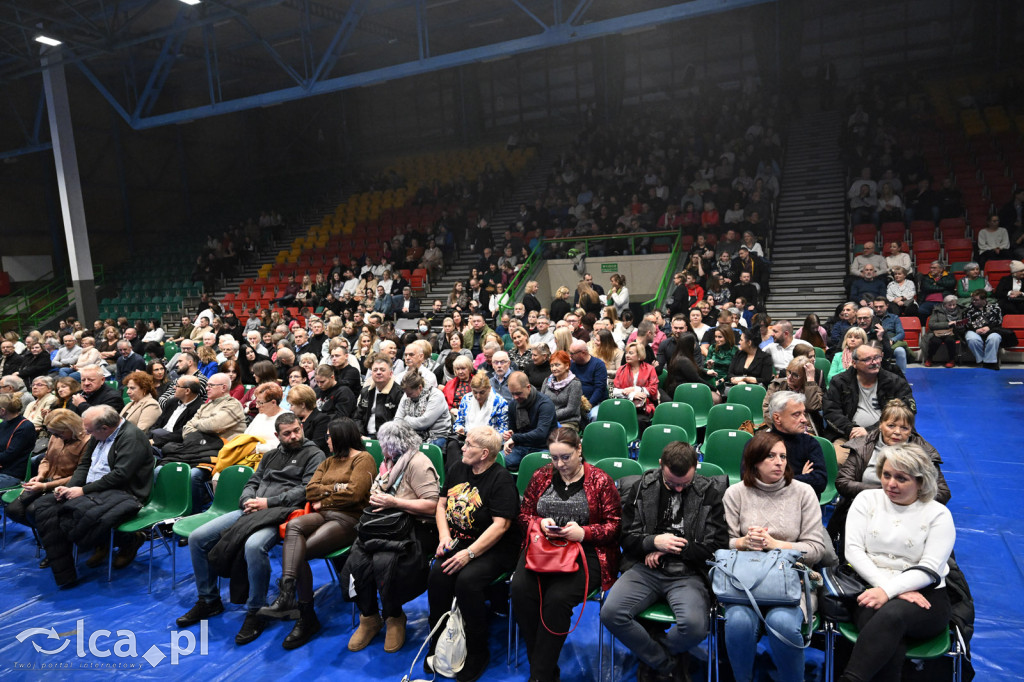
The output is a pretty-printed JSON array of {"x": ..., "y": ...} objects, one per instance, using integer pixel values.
[{"x": 423, "y": 328}]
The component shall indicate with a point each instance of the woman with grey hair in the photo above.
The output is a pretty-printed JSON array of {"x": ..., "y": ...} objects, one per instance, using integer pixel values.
[
  {"x": 45, "y": 400},
  {"x": 973, "y": 280},
  {"x": 946, "y": 324},
  {"x": 407, "y": 483},
  {"x": 899, "y": 540}
]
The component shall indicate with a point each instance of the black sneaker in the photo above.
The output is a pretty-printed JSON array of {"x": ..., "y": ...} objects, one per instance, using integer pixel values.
[
  {"x": 252, "y": 627},
  {"x": 201, "y": 611}
]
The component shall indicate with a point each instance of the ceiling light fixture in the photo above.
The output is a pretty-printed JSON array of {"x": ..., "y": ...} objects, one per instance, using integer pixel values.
[
  {"x": 190, "y": 2},
  {"x": 47, "y": 40}
]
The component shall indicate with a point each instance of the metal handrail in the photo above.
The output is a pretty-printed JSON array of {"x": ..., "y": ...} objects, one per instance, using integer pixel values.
[{"x": 659, "y": 296}]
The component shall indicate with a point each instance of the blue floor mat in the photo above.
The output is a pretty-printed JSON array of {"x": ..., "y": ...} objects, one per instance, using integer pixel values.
[{"x": 973, "y": 417}]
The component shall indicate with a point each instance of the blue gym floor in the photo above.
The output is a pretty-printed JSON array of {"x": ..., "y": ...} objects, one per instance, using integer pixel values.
[{"x": 973, "y": 417}]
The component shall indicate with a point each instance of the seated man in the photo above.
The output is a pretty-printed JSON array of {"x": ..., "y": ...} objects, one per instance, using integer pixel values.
[
  {"x": 894, "y": 332},
  {"x": 531, "y": 418},
  {"x": 592, "y": 373},
  {"x": 787, "y": 413},
  {"x": 95, "y": 392},
  {"x": 415, "y": 361},
  {"x": 176, "y": 413},
  {"x": 277, "y": 487},
  {"x": 868, "y": 286},
  {"x": 502, "y": 370},
  {"x": 673, "y": 520},
  {"x": 66, "y": 357},
  {"x": 984, "y": 320},
  {"x": 188, "y": 365},
  {"x": 109, "y": 486},
  {"x": 1010, "y": 290},
  {"x": 379, "y": 399},
  {"x": 782, "y": 348},
  {"x": 128, "y": 361},
  {"x": 855, "y": 398},
  {"x": 332, "y": 398}
]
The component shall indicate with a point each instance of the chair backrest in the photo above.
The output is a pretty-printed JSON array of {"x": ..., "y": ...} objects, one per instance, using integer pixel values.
[
  {"x": 172, "y": 491},
  {"x": 622, "y": 412},
  {"x": 725, "y": 448},
  {"x": 603, "y": 439},
  {"x": 527, "y": 466},
  {"x": 677, "y": 414},
  {"x": 436, "y": 458},
  {"x": 751, "y": 395},
  {"x": 819, "y": 352},
  {"x": 617, "y": 467},
  {"x": 697, "y": 396},
  {"x": 708, "y": 469},
  {"x": 373, "y": 447},
  {"x": 229, "y": 488},
  {"x": 726, "y": 416},
  {"x": 654, "y": 440},
  {"x": 828, "y": 451}
]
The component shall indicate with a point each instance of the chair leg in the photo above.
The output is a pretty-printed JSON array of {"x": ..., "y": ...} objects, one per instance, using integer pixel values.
[
  {"x": 4, "y": 544},
  {"x": 110, "y": 557},
  {"x": 830, "y": 634},
  {"x": 600, "y": 640}
]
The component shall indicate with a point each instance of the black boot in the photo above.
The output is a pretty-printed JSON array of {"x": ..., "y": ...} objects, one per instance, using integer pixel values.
[
  {"x": 305, "y": 628},
  {"x": 284, "y": 607}
]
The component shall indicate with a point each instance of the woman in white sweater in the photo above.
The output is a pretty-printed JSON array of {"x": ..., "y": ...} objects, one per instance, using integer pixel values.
[
  {"x": 268, "y": 401},
  {"x": 769, "y": 510},
  {"x": 899, "y": 540}
]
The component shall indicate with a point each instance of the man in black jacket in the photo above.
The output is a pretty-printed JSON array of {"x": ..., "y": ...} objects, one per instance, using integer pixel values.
[
  {"x": 95, "y": 392},
  {"x": 109, "y": 486},
  {"x": 177, "y": 412},
  {"x": 378, "y": 401},
  {"x": 855, "y": 398},
  {"x": 332, "y": 398},
  {"x": 278, "y": 483},
  {"x": 128, "y": 361},
  {"x": 672, "y": 522},
  {"x": 787, "y": 415}
]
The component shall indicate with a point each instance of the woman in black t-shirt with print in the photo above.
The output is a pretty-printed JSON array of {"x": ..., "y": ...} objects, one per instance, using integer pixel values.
[{"x": 478, "y": 541}]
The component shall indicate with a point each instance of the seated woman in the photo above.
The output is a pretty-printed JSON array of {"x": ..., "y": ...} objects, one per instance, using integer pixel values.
[
  {"x": 142, "y": 409},
  {"x": 268, "y": 404},
  {"x": 337, "y": 493},
  {"x": 812, "y": 332},
  {"x": 637, "y": 380},
  {"x": 899, "y": 540},
  {"x": 458, "y": 387},
  {"x": 17, "y": 439},
  {"x": 45, "y": 400},
  {"x": 841, "y": 362},
  {"x": 67, "y": 441},
  {"x": 799, "y": 377},
  {"x": 477, "y": 541},
  {"x": 972, "y": 280},
  {"x": 750, "y": 365},
  {"x": 897, "y": 259},
  {"x": 66, "y": 388},
  {"x": 577, "y": 502},
  {"x": 769, "y": 510},
  {"x": 901, "y": 293},
  {"x": 564, "y": 390},
  {"x": 946, "y": 325},
  {"x": 602, "y": 345},
  {"x": 406, "y": 481},
  {"x": 481, "y": 407},
  {"x": 158, "y": 370},
  {"x": 857, "y": 473},
  {"x": 520, "y": 355},
  {"x": 315, "y": 423},
  {"x": 720, "y": 354},
  {"x": 682, "y": 368}
]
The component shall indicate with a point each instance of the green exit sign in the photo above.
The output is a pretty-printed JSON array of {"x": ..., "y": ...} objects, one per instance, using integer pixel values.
[{"x": 609, "y": 267}]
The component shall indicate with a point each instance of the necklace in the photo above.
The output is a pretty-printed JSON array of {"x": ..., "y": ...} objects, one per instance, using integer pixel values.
[{"x": 575, "y": 478}]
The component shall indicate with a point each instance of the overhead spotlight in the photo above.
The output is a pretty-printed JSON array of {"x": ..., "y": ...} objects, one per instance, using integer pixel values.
[
  {"x": 47, "y": 40},
  {"x": 190, "y": 2}
]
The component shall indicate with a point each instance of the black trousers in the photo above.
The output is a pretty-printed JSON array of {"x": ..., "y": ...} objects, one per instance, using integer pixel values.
[
  {"x": 22, "y": 510},
  {"x": 314, "y": 536},
  {"x": 560, "y": 594},
  {"x": 880, "y": 648},
  {"x": 468, "y": 586}
]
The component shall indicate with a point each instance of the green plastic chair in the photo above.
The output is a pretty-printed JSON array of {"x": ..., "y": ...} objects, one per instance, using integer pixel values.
[
  {"x": 751, "y": 395},
  {"x": 832, "y": 467},
  {"x": 824, "y": 365},
  {"x": 938, "y": 646},
  {"x": 527, "y": 466},
  {"x": 677, "y": 414},
  {"x": 623, "y": 412},
  {"x": 500, "y": 459},
  {"x": 171, "y": 498},
  {"x": 170, "y": 350},
  {"x": 708, "y": 469},
  {"x": 663, "y": 379},
  {"x": 436, "y": 458},
  {"x": 373, "y": 447},
  {"x": 604, "y": 439},
  {"x": 653, "y": 443},
  {"x": 230, "y": 484},
  {"x": 819, "y": 352},
  {"x": 726, "y": 416},
  {"x": 617, "y": 467},
  {"x": 697, "y": 396},
  {"x": 725, "y": 448}
]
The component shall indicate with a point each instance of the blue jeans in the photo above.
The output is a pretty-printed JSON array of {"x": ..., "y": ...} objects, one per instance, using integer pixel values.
[
  {"x": 513, "y": 458},
  {"x": 743, "y": 629},
  {"x": 900, "y": 355},
  {"x": 8, "y": 481},
  {"x": 257, "y": 557},
  {"x": 984, "y": 350}
]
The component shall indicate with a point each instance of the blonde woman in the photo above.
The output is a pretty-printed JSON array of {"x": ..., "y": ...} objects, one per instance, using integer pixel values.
[
  {"x": 560, "y": 306},
  {"x": 841, "y": 362},
  {"x": 563, "y": 339},
  {"x": 530, "y": 301}
]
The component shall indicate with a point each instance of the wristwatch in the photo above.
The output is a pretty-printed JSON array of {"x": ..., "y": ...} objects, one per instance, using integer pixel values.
[{"x": 471, "y": 554}]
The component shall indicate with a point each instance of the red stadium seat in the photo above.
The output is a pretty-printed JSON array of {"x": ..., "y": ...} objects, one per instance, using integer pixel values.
[
  {"x": 1015, "y": 323},
  {"x": 865, "y": 232},
  {"x": 995, "y": 270},
  {"x": 927, "y": 250},
  {"x": 959, "y": 250},
  {"x": 912, "y": 331},
  {"x": 893, "y": 232}
]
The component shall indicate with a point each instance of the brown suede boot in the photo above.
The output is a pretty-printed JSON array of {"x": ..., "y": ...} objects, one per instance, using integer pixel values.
[
  {"x": 394, "y": 638},
  {"x": 368, "y": 628}
]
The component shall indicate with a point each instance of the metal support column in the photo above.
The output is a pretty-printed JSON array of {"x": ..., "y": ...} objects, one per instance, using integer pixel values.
[{"x": 70, "y": 185}]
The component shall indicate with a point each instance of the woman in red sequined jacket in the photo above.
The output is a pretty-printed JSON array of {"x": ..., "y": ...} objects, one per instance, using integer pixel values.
[{"x": 573, "y": 501}]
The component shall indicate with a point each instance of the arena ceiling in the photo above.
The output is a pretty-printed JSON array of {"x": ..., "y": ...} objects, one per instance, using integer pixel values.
[{"x": 159, "y": 62}]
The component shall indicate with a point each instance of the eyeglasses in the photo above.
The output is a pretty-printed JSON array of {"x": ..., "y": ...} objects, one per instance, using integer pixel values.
[{"x": 873, "y": 360}]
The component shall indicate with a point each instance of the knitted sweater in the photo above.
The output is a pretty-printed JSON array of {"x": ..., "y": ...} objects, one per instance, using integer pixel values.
[
  {"x": 790, "y": 512},
  {"x": 883, "y": 540},
  {"x": 566, "y": 400}
]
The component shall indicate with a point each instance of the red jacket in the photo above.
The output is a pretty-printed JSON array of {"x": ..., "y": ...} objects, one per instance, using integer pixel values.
[
  {"x": 648, "y": 378},
  {"x": 605, "y": 515},
  {"x": 449, "y": 392}
]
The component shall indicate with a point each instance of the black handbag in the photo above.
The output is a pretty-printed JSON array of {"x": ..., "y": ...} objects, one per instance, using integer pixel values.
[
  {"x": 838, "y": 599},
  {"x": 384, "y": 524}
]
